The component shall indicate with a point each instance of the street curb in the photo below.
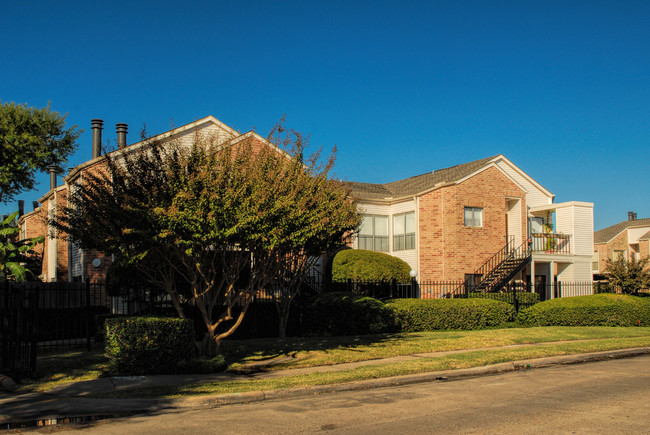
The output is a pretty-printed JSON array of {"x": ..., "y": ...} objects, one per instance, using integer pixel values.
[{"x": 446, "y": 375}]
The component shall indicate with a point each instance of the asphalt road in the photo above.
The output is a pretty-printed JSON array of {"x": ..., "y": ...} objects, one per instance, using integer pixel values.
[{"x": 601, "y": 397}]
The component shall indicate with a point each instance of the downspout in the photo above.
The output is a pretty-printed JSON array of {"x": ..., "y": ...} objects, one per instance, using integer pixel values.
[
  {"x": 53, "y": 253},
  {"x": 416, "y": 200},
  {"x": 442, "y": 231}
]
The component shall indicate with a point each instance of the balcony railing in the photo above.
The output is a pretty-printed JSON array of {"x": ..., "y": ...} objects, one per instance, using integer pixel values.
[{"x": 551, "y": 243}]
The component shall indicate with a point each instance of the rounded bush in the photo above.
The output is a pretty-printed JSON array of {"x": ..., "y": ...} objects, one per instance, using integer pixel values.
[
  {"x": 148, "y": 345},
  {"x": 593, "y": 310},
  {"x": 416, "y": 315},
  {"x": 359, "y": 264},
  {"x": 342, "y": 313}
]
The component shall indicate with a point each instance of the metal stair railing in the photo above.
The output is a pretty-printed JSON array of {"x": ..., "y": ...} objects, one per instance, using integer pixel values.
[{"x": 503, "y": 272}]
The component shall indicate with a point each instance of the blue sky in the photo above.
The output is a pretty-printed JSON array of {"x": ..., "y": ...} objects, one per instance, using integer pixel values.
[{"x": 401, "y": 88}]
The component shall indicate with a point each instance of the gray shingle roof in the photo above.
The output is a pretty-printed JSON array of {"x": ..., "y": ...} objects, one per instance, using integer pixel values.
[
  {"x": 607, "y": 234},
  {"x": 417, "y": 184}
]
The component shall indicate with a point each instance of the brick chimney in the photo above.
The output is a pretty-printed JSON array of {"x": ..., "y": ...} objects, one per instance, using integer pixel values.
[
  {"x": 631, "y": 216},
  {"x": 21, "y": 207},
  {"x": 97, "y": 137}
]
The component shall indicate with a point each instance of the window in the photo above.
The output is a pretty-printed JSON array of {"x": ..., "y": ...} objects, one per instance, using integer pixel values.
[
  {"x": 404, "y": 231},
  {"x": 373, "y": 234},
  {"x": 594, "y": 261},
  {"x": 473, "y": 217},
  {"x": 619, "y": 254}
]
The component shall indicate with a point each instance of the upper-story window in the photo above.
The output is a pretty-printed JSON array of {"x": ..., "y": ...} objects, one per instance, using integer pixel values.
[
  {"x": 373, "y": 234},
  {"x": 473, "y": 217},
  {"x": 404, "y": 231},
  {"x": 618, "y": 254}
]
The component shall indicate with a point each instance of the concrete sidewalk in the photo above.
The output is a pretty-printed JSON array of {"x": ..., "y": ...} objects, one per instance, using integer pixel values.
[{"x": 73, "y": 400}]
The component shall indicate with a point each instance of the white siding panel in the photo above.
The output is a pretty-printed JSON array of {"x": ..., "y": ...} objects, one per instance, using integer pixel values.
[
  {"x": 582, "y": 270},
  {"x": 534, "y": 196},
  {"x": 583, "y": 231},
  {"x": 633, "y": 234}
]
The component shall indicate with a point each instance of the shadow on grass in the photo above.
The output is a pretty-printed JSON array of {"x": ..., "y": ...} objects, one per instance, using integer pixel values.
[{"x": 251, "y": 355}]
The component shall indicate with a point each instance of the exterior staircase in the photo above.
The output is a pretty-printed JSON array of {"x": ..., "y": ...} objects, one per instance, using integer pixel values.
[{"x": 503, "y": 267}]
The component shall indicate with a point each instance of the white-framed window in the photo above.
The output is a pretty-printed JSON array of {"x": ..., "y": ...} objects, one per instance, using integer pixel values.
[
  {"x": 473, "y": 217},
  {"x": 404, "y": 231},
  {"x": 373, "y": 234}
]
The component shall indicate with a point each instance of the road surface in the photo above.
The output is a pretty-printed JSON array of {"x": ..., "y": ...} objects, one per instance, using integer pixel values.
[{"x": 602, "y": 397}]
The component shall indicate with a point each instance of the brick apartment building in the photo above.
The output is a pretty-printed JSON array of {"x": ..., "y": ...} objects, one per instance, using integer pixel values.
[
  {"x": 628, "y": 239},
  {"x": 445, "y": 224}
]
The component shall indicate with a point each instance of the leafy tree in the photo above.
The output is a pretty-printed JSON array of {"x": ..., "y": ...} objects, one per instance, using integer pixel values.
[
  {"x": 631, "y": 276},
  {"x": 317, "y": 218},
  {"x": 31, "y": 139},
  {"x": 18, "y": 260},
  {"x": 212, "y": 225}
]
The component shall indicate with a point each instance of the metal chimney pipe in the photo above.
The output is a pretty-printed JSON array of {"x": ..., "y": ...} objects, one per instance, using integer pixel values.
[
  {"x": 52, "y": 170},
  {"x": 97, "y": 137},
  {"x": 21, "y": 207},
  {"x": 122, "y": 128}
]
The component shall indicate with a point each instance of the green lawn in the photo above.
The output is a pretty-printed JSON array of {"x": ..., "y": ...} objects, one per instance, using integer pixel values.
[
  {"x": 56, "y": 369},
  {"x": 309, "y": 352}
]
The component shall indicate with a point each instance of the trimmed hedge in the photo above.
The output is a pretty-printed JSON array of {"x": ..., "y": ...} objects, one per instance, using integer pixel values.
[
  {"x": 359, "y": 264},
  {"x": 593, "y": 310},
  {"x": 524, "y": 298},
  {"x": 149, "y": 345},
  {"x": 415, "y": 315},
  {"x": 342, "y": 313}
]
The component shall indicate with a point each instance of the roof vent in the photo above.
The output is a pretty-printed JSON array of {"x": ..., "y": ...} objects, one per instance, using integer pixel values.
[
  {"x": 121, "y": 135},
  {"x": 97, "y": 125}
]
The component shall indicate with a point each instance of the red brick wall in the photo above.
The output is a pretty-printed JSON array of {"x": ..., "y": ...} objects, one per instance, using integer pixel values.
[{"x": 449, "y": 249}]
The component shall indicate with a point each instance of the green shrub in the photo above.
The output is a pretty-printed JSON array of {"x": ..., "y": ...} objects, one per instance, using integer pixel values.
[
  {"x": 414, "y": 315},
  {"x": 359, "y": 264},
  {"x": 593, "y": 310},
  {"x": 148, "y": 345},
  {"x": 340, "y": 313}
]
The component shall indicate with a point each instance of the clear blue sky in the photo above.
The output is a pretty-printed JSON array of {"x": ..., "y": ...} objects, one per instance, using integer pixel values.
[{"x": 561, "y": 88}]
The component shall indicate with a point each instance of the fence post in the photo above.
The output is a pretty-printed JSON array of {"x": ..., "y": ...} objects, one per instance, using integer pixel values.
[
  {"x": 34, "y": 332},
  {"x": 514, "y": 295},
  {"x": 559, "y": 289},
  {"x": 393, "y": 288},
  {"x": 88, "y": 315}
]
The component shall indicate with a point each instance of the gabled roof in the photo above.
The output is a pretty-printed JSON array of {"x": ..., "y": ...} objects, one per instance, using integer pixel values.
[
  {"x": 176, "y": 132},
  {"x": 420, "y": 183},
  {"x": 607, "y": 234},
  {"x": 646, "y": 236}
]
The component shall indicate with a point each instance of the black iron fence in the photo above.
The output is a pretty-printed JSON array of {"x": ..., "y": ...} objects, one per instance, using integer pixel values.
[{"x": 38, "y": 317}]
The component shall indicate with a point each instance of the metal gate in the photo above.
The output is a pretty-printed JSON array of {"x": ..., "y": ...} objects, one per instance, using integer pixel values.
[{"x": 18, "y": 335}]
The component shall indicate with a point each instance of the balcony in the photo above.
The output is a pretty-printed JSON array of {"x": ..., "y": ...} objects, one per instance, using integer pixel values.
[{"x": 550, "y": 243}]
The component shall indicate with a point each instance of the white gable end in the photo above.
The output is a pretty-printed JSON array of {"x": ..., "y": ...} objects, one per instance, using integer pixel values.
[{"x": 536, "y": 194}]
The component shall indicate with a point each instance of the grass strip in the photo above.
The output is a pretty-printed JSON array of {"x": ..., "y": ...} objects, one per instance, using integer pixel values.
[
  {"x": 421, "y": 365},
  {"x": 312, "y": 352}
]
